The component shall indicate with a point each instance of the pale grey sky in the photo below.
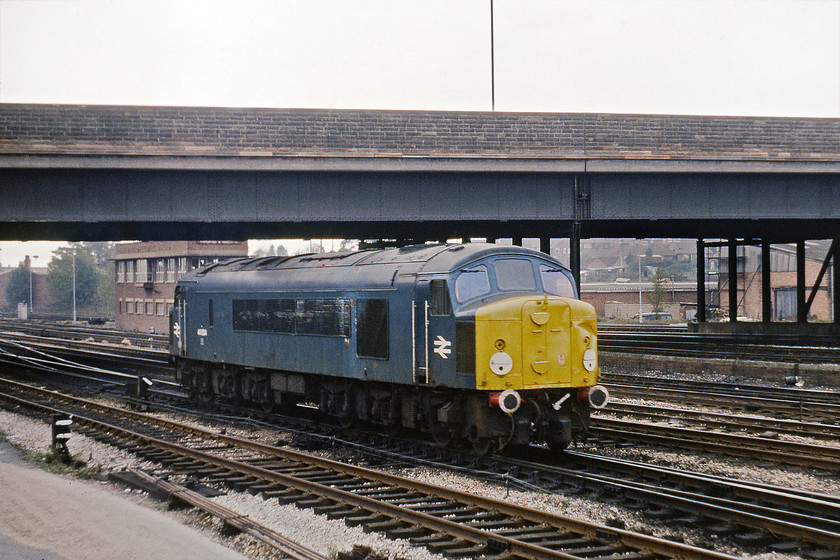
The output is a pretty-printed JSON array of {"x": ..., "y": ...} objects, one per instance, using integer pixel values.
[
  {"x": 742, "y": 57},
  {"x": 713, "y": 57}
]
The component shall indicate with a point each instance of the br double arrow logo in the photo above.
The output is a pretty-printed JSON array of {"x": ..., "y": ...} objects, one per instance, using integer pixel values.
[{"x": 442, "y": 347}]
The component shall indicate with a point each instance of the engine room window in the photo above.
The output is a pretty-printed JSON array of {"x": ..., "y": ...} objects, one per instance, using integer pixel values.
[
  {"x": 440, "y": 304},
  {"x": 515, "y": 274},
  {"x": 372, "y": 331},
  {"x": 281, "y": 315},
  {"x": 329, "y": 317},
  {"x": 556, "y": 281},
  {"x": 472, "y": 283},
  {"x": 323, "y": 316}
]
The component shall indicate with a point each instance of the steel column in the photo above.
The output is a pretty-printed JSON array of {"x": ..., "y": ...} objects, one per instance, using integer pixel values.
[
  {"x": 574, "y": 252},
  {"x": 733, "y": 280},
  {"x": 835, "y": 283},
  {"x": 801, "y": 307},
  {"x": 766, "y": 294},
  {"x": 701, "y": 281},
  {"x": 545, "y": 245}
]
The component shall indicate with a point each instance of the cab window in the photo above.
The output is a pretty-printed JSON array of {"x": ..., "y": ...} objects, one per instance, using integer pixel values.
[
  {"x": 515, "y": 275},
  {"x": 472, "y": 283},
  {"x": 556, "y": 281},
  {"x": 439, "y": 298}
]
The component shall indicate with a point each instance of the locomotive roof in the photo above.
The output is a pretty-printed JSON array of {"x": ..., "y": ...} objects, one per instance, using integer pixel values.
[{"x": 427, "y": 259}]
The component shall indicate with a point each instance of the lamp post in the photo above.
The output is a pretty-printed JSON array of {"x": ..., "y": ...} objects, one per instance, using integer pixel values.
[
  {"x": 31, "y": 306},
  {"x": 640, "y": 288},
  {"x": 74, "y": 285}
]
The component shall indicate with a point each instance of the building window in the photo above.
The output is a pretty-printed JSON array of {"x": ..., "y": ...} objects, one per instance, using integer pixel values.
[
  {"x": 182, "y": 266},
  {"x": 129, "y": 307},
  {"x": 160, "y": 308},
  {"x": 150, "y": 308},
  {"x": 129, "y": 271},
  {"x": 170, "y": 270},
  {"x": 160, "y": 270},
  {"x": 120, "y": 272},
  {"x": 141, "y": 272},
  {"x": 138, "y": 307}
]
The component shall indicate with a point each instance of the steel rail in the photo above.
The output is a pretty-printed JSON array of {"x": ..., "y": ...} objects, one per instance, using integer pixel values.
[
  {"x": 777, "y": 521},
  {"x": 790, "y": 453},
  {"x": 290, "y": 548},
  {"x": 829, "y": 432},
  {"x": 720, "y": 400},
  {"x": 439, "y": 525}
]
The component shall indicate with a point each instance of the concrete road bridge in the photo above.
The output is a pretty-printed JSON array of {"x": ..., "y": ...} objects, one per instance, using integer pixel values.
[{"x": 111, "y": 173}]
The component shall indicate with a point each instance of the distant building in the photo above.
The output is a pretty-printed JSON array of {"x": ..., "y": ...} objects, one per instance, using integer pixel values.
[
  {"x": 41, "y": 298},
  {"x": 782, "y": 282},
  {"x": 620, "y": 300},
  {"x": 146, "y": 273}
]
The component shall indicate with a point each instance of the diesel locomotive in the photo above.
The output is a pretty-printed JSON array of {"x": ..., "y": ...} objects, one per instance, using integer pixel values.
[{"x": 475, "y": 344}]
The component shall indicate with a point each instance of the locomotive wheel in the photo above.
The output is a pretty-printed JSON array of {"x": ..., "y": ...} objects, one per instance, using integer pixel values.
[
  {"x": 268, "y": 405},
  {"x": 483, "y": 445},
  {"x": 558, "y": 445},
  {"x": 394, "y": 430},
  {"x": 347, "y": 421},
  {"x": 443, "y": 438}
]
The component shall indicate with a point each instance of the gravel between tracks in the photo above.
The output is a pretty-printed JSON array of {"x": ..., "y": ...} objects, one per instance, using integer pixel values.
[{"x": 329, "y": 537}]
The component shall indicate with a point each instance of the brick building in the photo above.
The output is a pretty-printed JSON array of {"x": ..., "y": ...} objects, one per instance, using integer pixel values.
[
  {"x": 615, "y": 300},
  {"x": 782, "y": 282},
  {"x": 146, "y": 273},
  {"x": 41, "y": 298}
]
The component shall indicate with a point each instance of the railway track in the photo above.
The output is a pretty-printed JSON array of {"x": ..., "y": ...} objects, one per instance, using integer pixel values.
[
  {"x": 49, "y": 329},
  {"x": 677, "y": 342},
  {"x": 444, "y": 520},
  {"x": 779, "y": 402},
  {"x": 746, "y": 513},
  {"x": 679, "y": 506}
]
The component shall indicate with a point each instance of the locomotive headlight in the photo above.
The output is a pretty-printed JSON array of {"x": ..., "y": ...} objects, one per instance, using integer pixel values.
[
  {"x": 590, "y": 359},
  {"x": 501, "y": 363}
]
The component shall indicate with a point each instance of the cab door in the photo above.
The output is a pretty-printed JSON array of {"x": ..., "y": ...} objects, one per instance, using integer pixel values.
[
  {"x": 177, "y": 326},
  {"x": 434, "y": 333}
]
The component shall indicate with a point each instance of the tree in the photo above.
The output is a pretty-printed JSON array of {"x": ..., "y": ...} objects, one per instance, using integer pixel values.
[
  {"x": 60, "y": 278},
  {"x": 17, "y": 290},
  {"x": 659, "y": 292}
]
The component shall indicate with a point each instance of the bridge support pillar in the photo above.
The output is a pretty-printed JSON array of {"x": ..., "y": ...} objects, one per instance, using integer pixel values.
[
  {"x": 766, "y": 294},
  {"x": 733, "y": 279},
  {"x": 835, "y": 280},
  {"x": 701, "y": 281},
  {"x": 574, "y": 252},
  {"x": 545, "y": 245},
  {"x": 801, "y": 307}
]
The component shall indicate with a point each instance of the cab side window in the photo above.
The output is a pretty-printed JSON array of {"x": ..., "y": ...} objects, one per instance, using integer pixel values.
[
  {"x": 472, "y": 283},
  {"x": 440, "y": 304},
  {"x": 556, "y": 281}
]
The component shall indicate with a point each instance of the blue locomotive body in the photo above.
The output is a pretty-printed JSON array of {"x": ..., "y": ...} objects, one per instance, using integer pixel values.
[{"x": 391, "y": 337}]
